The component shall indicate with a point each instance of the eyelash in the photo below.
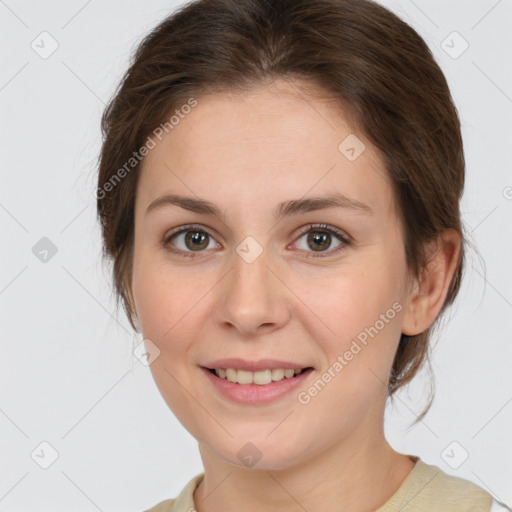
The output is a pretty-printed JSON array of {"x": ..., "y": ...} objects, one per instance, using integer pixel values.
[{"x": 344, "y": 239}]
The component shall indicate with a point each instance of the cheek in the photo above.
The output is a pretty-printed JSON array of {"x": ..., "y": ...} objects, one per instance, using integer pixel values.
[
  {"x": 168, "y": 305},
  {"x": 355, "y": 315},
  {"x": 164, "y": 298},
  {"x": 365, "y": 316},
  {"x": 347, "y": 302}
]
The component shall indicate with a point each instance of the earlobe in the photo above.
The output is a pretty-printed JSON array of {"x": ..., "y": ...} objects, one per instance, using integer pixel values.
[{"x": 429, "y": 291}]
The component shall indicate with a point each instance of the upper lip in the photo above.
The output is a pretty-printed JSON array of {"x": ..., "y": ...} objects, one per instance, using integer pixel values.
[{"x": 253, "y": 366}]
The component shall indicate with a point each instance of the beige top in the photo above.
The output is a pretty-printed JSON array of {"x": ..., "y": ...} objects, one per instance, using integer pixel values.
[{"x": 426, "y": 488}]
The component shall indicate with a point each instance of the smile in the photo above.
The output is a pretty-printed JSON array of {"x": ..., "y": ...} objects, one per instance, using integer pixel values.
[
  {"x": 260, "y": 378},
  {"x": 259, "y": 387}
]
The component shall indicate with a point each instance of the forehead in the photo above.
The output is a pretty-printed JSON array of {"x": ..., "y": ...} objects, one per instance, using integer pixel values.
[{"x": 267, "y": 144}]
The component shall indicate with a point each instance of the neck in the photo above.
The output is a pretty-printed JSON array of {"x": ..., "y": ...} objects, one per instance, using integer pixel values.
[{"x": 353, "y": 476}]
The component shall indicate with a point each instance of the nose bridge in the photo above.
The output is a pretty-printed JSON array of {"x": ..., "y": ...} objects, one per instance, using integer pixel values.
[
  {"x": 251, "y": 268},
  {"x": 252, "y": 296}
]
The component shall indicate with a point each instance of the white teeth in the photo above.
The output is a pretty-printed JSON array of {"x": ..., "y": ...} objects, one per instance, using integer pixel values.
[
  {"x": 277, "y": 374},
  {"x": 260, "y": 378},
  {"x": 231, "y": 375},
  {"x": 244, "y": 377}
]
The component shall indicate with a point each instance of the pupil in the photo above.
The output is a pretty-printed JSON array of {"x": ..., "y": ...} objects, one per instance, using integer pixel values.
[
  {"x": 197, "y": 238},
  {"x": 319, "y": 238}
]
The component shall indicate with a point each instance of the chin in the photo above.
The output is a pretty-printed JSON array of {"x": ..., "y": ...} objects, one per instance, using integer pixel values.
[{"x": 259, "y": 453}]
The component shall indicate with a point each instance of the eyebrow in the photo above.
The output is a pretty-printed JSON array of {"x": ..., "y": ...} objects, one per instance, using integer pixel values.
[{"x": 284, "y": 209}]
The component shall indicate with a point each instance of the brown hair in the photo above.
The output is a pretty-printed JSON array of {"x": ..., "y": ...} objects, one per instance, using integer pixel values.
[{"x": 357, "y": 51}]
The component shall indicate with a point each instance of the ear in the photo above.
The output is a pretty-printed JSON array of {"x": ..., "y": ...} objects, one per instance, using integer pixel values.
[{"x": 429, "y": 291}]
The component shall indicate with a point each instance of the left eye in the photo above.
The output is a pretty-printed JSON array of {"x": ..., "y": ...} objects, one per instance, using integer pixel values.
[{"x": 320, "y": 238}]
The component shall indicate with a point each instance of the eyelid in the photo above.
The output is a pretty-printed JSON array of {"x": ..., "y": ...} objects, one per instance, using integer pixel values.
[
  {"x": 326, "y": 227},
  {"x": 187, "y": 227}
]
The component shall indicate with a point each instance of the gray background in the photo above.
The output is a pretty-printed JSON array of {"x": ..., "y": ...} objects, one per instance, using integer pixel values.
[{"x": 68, "y": 376}]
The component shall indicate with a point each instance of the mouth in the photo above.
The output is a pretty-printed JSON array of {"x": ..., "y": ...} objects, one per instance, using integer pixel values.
[
  {"x": 260, "y": 377},
  {"x": 259, "y": 387},
  {"x": 250, "y": 382}
]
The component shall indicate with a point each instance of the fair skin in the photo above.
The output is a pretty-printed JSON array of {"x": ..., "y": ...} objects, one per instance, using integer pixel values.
[{"x": 246, "y": 154}]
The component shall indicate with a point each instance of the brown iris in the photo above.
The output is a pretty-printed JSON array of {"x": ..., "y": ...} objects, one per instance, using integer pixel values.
[
  {"x": 198, "y": 239},
  {"x": 318, "y": 237}
]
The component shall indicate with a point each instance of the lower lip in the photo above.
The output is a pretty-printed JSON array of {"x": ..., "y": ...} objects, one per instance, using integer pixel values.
[{"x": 253, "y": 393}]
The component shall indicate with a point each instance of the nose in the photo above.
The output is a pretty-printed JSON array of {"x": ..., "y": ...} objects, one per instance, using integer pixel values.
[{"x": 252, "y": 298}]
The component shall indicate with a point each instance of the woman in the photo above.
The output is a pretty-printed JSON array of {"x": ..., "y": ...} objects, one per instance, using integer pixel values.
[{"x": 279, "y": 192}]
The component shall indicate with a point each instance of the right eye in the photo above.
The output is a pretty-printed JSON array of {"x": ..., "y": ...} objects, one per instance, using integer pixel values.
[{"x": 187, "y": 240}]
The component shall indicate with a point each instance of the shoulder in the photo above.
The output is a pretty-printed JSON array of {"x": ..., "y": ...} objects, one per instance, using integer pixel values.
[
  {"x": 429, "y": 488},
  {"x": 184, "y": 502}
]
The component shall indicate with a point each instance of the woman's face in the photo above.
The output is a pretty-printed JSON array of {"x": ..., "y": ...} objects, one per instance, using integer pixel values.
[{"x": 255, "y": 283}]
